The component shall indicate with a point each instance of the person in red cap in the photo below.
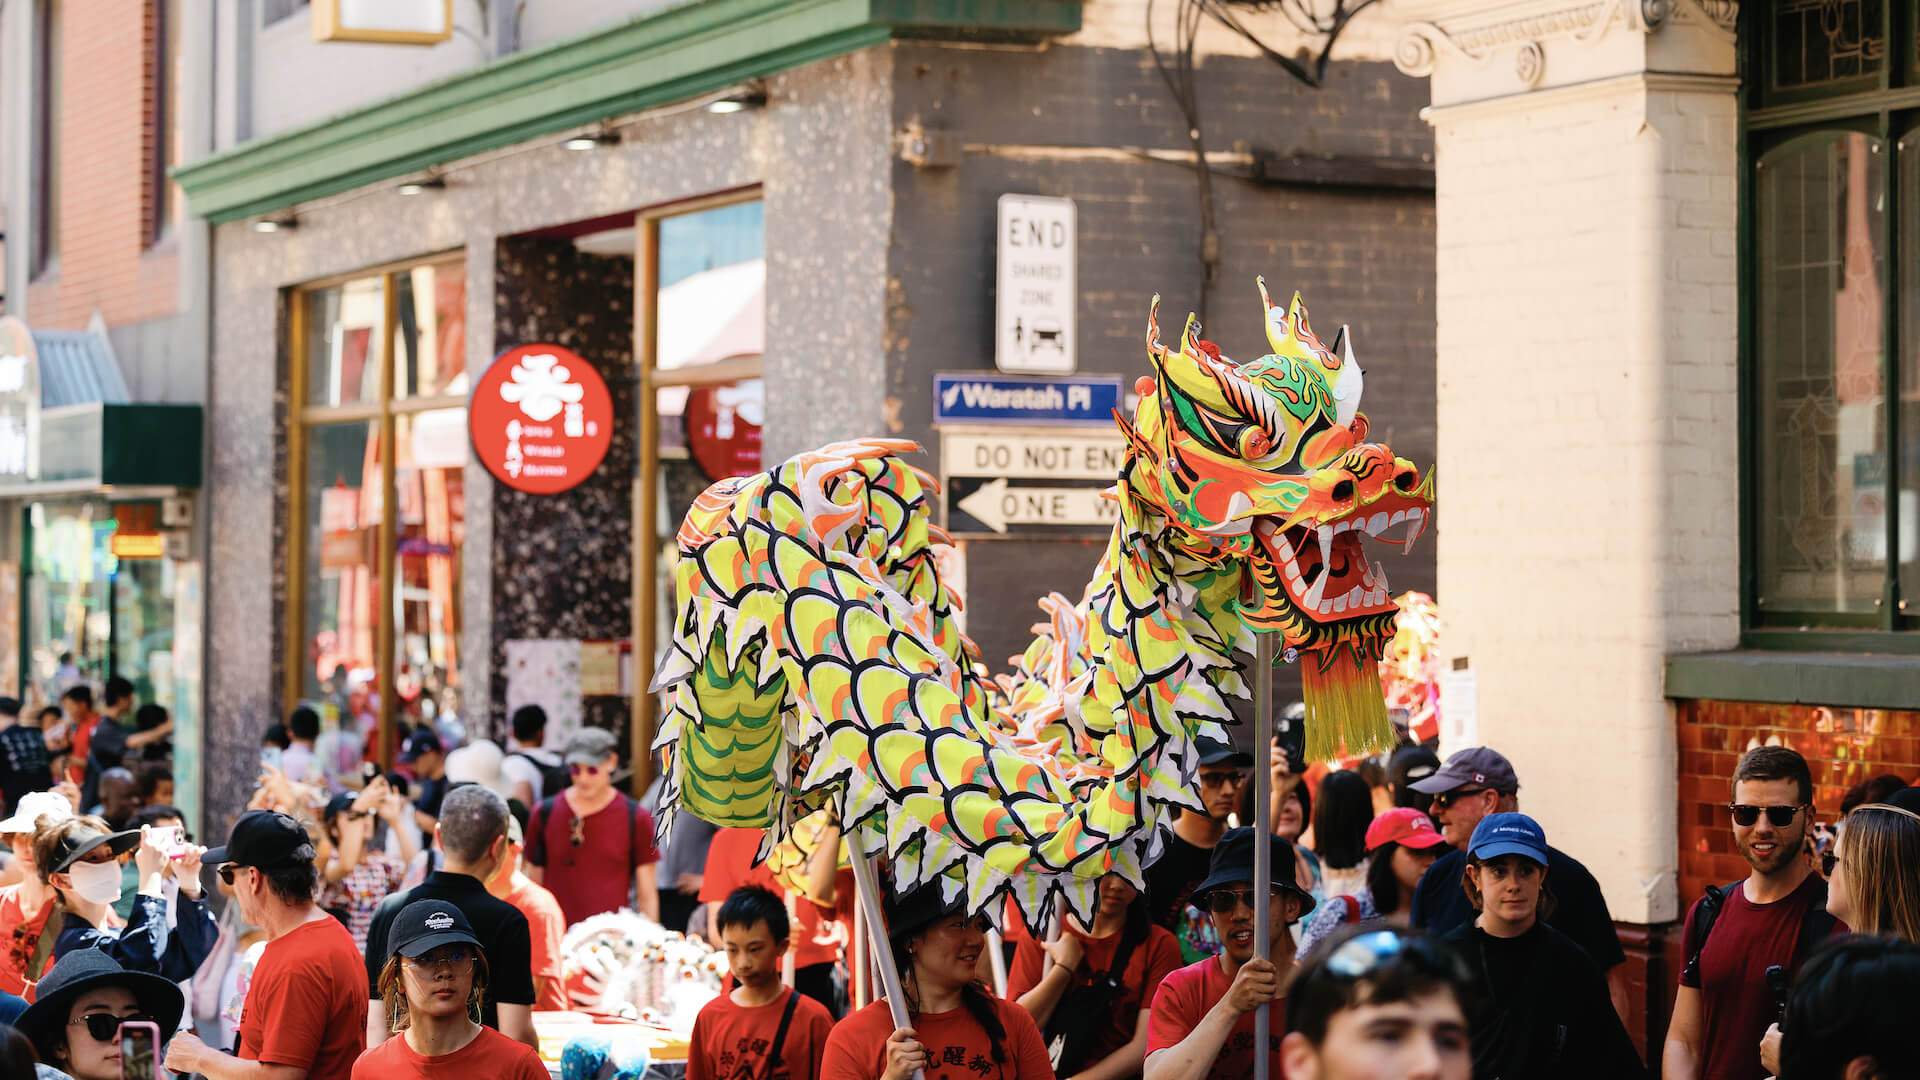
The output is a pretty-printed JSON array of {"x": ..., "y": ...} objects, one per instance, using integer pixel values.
[{"x": 1401, "y": 844}]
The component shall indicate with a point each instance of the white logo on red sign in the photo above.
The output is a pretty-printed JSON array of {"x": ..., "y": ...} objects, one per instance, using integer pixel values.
[{"x": 541, "y": 419}]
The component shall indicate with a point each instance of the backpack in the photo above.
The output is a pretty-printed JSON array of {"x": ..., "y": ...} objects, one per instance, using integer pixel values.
[
  {"x": 1815, "y": 927},
  {"x": 553, "y": 778}
]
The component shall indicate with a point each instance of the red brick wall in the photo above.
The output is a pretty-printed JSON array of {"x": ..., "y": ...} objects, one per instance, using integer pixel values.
[{"x": 107, "y": 143}]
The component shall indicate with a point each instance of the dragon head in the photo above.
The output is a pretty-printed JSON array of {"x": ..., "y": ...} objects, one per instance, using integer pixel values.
[{"x": 1267, "y": 463}]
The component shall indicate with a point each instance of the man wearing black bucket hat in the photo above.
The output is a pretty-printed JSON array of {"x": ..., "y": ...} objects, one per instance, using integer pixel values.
[
  {"x": 305, "y": 1016},
  {"x": 1202, "y": 1020},
  {"x": 74, "y": 1022}
]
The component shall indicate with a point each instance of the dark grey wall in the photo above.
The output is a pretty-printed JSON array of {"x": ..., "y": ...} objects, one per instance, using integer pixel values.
[{"x": 1036, "y": 123}]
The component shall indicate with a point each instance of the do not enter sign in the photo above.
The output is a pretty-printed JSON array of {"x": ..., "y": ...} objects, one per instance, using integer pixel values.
[{"x": 541, "y": 419}]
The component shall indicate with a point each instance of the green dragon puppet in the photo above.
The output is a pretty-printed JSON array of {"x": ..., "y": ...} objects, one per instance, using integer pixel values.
[{"x": 816, "y": 660}]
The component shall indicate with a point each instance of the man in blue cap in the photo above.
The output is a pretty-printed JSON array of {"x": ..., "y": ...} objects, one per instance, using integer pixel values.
[
  {"x": 1473, "y": 784},
  {"x": 1544, "y": 1009}
]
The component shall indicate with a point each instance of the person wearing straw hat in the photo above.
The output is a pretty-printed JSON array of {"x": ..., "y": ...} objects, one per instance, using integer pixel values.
[
  {"x": 956, "y": 1029},
  {"x": 1202, "y": 1023},
  {"x": 432, "y": 980},
  {"x": 74, "y": 1023}
]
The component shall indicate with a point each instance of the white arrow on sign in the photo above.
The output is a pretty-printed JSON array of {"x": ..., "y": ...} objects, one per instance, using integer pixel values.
[{"x": 996, "y": 505}]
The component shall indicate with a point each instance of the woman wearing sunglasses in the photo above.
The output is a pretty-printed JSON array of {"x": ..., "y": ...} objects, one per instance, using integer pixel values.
[
  {"x": 1544, "y": 1011},
  {"x": 1872, "y": 882},
  {"x": 433, "y": 981},
  {"x": 75, "y": 1020},
  {"x": 955, "y": 1027}
]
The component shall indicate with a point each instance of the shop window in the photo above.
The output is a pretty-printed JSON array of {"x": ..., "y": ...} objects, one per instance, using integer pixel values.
[
  {"x": 701, "y": 358},
  {"x": 380, "y": 446},
  {"x": 1831, "y": 331}
]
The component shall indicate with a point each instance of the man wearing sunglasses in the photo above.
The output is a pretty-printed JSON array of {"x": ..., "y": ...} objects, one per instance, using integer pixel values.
[
  {"x": 1201, "y": 1025},
  {"x": 1189, "y": 850},
  {"x": 306, "y": 1008},
  {"x": 591, "y": 845},
  {"x": 1776, "y": 915},
  {"x": 1473, "y": 784}
]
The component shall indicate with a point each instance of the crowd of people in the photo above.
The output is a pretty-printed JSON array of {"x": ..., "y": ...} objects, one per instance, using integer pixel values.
[{"x": 360, "y": 922}]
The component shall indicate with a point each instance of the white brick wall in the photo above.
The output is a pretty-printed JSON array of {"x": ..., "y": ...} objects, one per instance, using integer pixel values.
[{"x": 1587, "y": 455}]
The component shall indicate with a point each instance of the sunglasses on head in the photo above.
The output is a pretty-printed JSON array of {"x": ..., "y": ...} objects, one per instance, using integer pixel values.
[
  {"x": 1366, "y": 954},
  {"x": 1224, "y": 901},
  {"x": 103, "y": 1026},
  {"x": 1746, "y": 816},
  {"x": 1448, "y": 798}
]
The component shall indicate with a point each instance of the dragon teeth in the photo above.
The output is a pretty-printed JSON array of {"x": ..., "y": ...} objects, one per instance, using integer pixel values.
[
  {"x": 1326, "y": 534},
  {"x": 1312, "y": 599}
]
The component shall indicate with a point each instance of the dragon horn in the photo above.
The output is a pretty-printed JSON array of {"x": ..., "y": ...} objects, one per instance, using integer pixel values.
[
  {"x": 1154, "y": 348},
  {"x": 1190, "y": 338},
  {"x": 926, "y": 478}
]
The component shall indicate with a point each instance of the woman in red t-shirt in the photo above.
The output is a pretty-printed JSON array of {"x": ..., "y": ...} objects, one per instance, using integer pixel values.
[
  {"x": 957, "y": 1030},
  {"x": 432, "y": 984}
]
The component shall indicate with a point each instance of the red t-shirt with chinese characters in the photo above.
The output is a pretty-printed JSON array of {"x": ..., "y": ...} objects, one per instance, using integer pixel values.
[
  {"x": 1184, "y": 998},
  {"x": 594, "y": 876},
  {"x": 819, "y": 935},
  {"x": 733, "y": 1042},
  {"x": 307, "y": 1004},
  {"x": 546, "y": 925},
  {"x": 19, "y": 935},
  {"x": 490, "y": 1055},
  {"x": 1150, "y": 962},
  {"x": 957, "y": 1046}
]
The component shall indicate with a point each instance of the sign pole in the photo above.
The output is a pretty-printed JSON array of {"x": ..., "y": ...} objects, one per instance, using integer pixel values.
[
  {"x": 1262, "y": 830},
  {"x": 868, "y": 886}
]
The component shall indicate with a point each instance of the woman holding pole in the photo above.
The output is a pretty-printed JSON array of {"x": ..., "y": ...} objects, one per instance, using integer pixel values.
[{"x": 956, "y": 1029}]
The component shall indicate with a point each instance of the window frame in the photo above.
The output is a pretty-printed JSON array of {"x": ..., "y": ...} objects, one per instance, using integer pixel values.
[
  {"x": 1888, "y": 111},
  {"x": 647, "y": 543},
  {"x": 384, "y": 413}
]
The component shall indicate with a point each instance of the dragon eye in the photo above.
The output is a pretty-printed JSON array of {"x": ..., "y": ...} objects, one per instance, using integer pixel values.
[
  {"x": 1254, "y": 443},
  {"x": 1343, "y": 491}
]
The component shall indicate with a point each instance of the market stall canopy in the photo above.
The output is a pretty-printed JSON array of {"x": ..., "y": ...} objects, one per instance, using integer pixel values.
[{"x": 66, "y": 424}]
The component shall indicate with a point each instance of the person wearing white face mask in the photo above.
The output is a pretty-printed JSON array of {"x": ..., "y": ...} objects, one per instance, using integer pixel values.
[{"x": 79, "y": 858}]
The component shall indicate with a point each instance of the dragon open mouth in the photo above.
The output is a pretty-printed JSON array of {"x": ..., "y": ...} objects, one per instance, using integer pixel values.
[{"x": 1325, "y": 568}]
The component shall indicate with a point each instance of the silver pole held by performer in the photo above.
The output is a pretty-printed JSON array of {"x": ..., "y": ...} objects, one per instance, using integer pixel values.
[{"x": 1262, "y": 830}]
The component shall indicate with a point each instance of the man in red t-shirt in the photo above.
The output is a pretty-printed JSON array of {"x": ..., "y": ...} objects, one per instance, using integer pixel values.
[
  {"x": 546, "y": 924},
  {"x": 736, "y": 1034},
  {"x": 1202, "y": 1022},
  {"x": 590, "y": 845},
  {"x": 1724, "y": 1004},
  {"x": 77, "y": 706},
  {"x": 306, "y": 1008}
]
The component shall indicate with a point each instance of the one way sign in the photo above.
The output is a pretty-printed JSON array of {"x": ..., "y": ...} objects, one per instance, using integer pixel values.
[
  {"x": 997, "y": 505},
  {"x": 1031, "y": 481}
]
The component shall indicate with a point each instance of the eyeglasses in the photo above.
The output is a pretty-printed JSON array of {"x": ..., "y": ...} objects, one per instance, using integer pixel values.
[
  {"x": 1777, "y": 816},
  {"x": 1447, "y": 798},
  {"x": 583, "y": 770},
  {"x": 103, "y": 1026},
  {"x": 1224, "y": 901},
  {"x": 1221, "y": 779},
  {"x": 454, "y": 961}
]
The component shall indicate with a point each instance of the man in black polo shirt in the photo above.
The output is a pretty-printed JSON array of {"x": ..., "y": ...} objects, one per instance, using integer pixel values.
[
  {"x": 1479, "y": 781},
  {"x": 472, "y": 834}
]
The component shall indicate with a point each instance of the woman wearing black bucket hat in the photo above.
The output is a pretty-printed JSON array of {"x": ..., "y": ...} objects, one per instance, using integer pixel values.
[
  {"x": 433, "y": 981},
  {"x": 956, "y": 1029},
  {"x": 75, "y": 1020}
]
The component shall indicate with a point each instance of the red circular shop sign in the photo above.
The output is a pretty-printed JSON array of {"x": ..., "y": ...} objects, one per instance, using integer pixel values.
[{"x": 541, "y": 419}]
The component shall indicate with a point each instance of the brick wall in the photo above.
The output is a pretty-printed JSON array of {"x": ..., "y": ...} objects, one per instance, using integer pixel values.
[{"x": 105, "y": 202}]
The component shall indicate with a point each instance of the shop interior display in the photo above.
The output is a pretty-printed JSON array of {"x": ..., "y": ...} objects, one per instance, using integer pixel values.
[{"x": 816, "y": 659}]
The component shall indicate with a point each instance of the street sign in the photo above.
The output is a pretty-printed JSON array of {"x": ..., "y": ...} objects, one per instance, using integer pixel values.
[
  {"x": 1035, "y": 286},
  {"x": 978, "y": 398},
  {"x": 1066, "y": 455},
  {"x": 541, "y": 419},
  {"x": 1000, "y": 506}
]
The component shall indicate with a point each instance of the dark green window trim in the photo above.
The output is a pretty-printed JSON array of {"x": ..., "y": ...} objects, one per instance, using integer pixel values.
[
  {"x": 669, "y": 56},
  {"x": 1841, "y": 680}
]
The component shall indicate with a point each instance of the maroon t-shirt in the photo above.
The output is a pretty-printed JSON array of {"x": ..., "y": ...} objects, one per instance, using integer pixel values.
[
  {"x": 1735, "y": 1004},
  {"x": 595, "y": 875}
]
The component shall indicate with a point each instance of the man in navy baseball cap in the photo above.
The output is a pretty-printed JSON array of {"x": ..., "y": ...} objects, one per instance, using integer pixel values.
[{"x": 1478, "y": 783}]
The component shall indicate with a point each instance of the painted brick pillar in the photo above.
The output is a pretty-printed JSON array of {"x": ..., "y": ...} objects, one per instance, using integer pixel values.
[{"x": 1588, "y": 463}]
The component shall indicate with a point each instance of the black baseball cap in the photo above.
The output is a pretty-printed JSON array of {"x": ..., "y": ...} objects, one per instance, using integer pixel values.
[
  {"x": 424, "y": 926},
  {"x": 1215, "y": 752},
  {"x": 420, "y": 741},
  {"x": 267, "y": 839},
  {"x": 1232, "y": 864},
  {"x": 1479, "y": 766},
  {"x": 1411, "y": 764}
]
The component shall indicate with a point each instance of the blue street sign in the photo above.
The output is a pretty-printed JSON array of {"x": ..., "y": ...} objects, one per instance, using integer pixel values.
[{"x": 1007, "y": 399}]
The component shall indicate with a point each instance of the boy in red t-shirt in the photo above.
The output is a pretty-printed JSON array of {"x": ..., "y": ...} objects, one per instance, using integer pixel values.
[
  {"x": 1202, "y": 1021},
  {"x": 819, "y": 922},
  {"x": 761, "y": 1030}
]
